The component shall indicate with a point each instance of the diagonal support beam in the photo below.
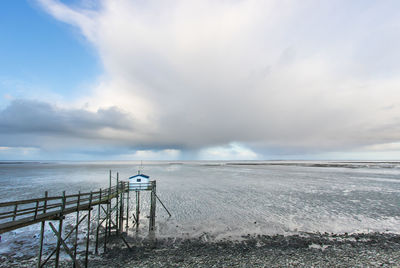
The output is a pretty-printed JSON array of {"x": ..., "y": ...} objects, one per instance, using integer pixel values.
[
  {"x": 104, "y": 210},
  {"x": 100, "y": 223},
  {"x": 64, "y": 245},
  {"x": 162, "y": 204},
  {"x": 66, "y": 237},
  {"x": 111, "y": 211},
  {"x": 110, "y": 214},
  {"x": 134, "y": 218}
]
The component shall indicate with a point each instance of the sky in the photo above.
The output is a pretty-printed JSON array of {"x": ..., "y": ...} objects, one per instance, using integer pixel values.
[{"x": 199, "y": 80}]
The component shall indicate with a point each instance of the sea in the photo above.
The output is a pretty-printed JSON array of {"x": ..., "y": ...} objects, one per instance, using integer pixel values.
[{"x": 215, "y": 200}]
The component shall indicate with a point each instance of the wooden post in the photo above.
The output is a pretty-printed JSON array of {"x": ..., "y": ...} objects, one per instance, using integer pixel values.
[
  {"x": 88, "y": 230},
  {"x": 77, "y": 224},
  {"x": 127, "y": 209},
  {"x": 36, "y": 209},
  {"x": 45, "y": 202},
  {"x": 105, "y": 230},
  {"x": 60, "y": 230},
  {"x": 108, "y": 216},
  {"x": 153, "y": 202},
  {"x": 109, "y": 208},
  {"x": 42, "y": 232},
  {"x": 110, "y": 180},
  {"x": 137, "y": 210},
  {"x": 117, "y": 210},
  {"x": 15, "y": 212},
  {"x": 121, "y": 208},
  {"x": 98, "y": 225}
]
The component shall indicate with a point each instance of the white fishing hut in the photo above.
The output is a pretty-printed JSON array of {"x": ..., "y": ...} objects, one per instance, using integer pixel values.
[{"x": 139, "y": 182}]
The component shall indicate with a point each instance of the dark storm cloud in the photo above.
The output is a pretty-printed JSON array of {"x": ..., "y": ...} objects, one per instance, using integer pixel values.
[{"x": 40, "y": 118}]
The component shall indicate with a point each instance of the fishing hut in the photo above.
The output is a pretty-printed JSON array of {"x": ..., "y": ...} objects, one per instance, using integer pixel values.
[
  {"x": 139, "y": 182},
  {"x": 142, "y": 182}
]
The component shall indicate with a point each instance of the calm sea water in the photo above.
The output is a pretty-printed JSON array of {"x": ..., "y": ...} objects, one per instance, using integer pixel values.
[{"x": 226, "y": 200}]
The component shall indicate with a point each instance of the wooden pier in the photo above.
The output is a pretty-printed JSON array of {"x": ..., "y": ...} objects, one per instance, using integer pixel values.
[{"x": 112, "y": 202}]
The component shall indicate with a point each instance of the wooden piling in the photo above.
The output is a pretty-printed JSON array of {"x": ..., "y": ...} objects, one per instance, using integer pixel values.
[
  {"x": 106, "y": 230},
  {"x": 77, "y": 225},
  {"x": 15, "y": 212},
  {"x": 43, "y": 223},
  {"x": 109, "y": 208},
  {"x": 153, "y": 202},
  {"x": 98, "y": 225},
  {"x": 127, "y": 208},
  {"x": 108, "y": 217},
  {"x": 60, "y": 224},
  {"x": 121, "y": 209},
  {"x": 137, "y": 210},
  {"x": 36, "y": 209},
  {"x": 117, "y": 209},
  {"x": 88, "y": 230}
]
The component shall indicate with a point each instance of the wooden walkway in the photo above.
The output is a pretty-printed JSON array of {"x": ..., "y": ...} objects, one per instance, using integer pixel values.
[
  {"x": 112, "y": 203},
  {"x": 22, "y": 213}
]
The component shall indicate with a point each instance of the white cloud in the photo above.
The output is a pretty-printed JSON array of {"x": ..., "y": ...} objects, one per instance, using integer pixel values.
[
  {"x": 385, "y": 147},
  {"x": 307, "y": 76},
  {"x": 167, "y": 154},
  {"x": 233, "y": 151},
  {"x": 84, "y": 19}
]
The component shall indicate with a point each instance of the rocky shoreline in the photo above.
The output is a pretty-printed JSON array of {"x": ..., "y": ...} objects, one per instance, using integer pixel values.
[{"x": 302, "y": 250}]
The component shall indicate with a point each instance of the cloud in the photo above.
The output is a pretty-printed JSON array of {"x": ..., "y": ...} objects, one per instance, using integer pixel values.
[
  {"x": 270, "y": 75},
  {"x": 40, "y": 121},
  {"x": 167, "y": 154},
  {"x": 14, "y": 153},
  {"x": 233, "y": 151}
]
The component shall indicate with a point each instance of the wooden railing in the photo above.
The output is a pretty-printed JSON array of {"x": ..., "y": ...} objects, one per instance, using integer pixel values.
[
  {"x": 140, "y": 186},
  {"x": 17, "y": 214}
]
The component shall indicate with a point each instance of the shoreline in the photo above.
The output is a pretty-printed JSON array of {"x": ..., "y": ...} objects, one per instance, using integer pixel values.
[{"x": 302, "y": 250}]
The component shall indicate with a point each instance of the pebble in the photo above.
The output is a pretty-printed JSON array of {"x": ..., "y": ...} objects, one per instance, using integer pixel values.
[{"x": 368, "y": 250}]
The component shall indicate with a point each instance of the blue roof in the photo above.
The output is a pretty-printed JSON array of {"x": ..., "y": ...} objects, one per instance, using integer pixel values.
[{"x": 140, "y": 175}]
